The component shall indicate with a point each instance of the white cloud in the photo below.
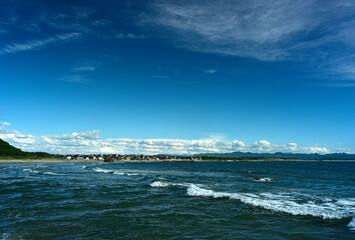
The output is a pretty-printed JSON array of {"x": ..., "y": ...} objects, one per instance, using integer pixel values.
[
  {"x": 107, "y": 150},
  {"x": 318, "y": 150},
  {"x": 90, "y": 142},
  {"x": 5, "y": 124},
  {"x": 36, "y": 44},
  {"x": 75, "y": 78}
]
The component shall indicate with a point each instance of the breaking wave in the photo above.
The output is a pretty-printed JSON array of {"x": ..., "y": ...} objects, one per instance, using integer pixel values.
[
  {"x": 327, "y": 209},
  {"x": 284, "y": 202},
  {"x": 264, "y": 180},
  {"x": 53, "y": 173},
  {"x": 167, "y": 184},
  {"x": 116, "y": 172},
  {"x": 159, "y": 184},
  {"x": 30, "y": 170},
  {"x": 351, "y": 224}
]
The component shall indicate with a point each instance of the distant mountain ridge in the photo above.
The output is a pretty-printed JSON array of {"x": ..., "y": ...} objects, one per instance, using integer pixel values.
[{"x": 303, "y": 156}]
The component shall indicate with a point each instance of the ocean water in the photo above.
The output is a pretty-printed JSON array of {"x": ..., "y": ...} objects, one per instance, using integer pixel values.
[{"x": 178, "y": 200}]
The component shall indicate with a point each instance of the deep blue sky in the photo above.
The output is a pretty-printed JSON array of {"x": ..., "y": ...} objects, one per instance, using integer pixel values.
[{"x": 264, "y": 73}]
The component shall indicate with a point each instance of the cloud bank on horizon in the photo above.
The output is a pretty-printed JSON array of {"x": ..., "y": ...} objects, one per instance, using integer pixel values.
[{"x": 89, "y": 142}]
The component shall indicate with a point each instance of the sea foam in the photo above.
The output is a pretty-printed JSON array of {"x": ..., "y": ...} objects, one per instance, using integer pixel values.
[
  {"x": 30, "y": 170},
  {"x": 351, "y": 224},
  {"x": 53, "y": 173},
  {"x": 167, "y": 184},
  {"x": 276, "y": 202},
  {"x": 279, "y": 203},
  {"x": 116, "y": 172},
  {"x": 159, "y": 184},
  {"x": 264, "y": 180}
]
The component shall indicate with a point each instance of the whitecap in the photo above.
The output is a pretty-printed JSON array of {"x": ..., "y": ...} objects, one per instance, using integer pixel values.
[
  {"x": 5, "y": 236},
  {"x": 125, "y": 173},
  {"x": 30, "y": 170},
  {"x": 167, "y": 184},
  {"x": 116, "y": 172},
  {"x": 347, "y": 202},
  {"x": 53, "y": 173},
  {"x": 102, "y": 170},
  {"x": 263, "y": 180},
  {"x": 159, "y": 184},
  {"x": 351, "y": 224},
  {"x": 278, "y": 203}
]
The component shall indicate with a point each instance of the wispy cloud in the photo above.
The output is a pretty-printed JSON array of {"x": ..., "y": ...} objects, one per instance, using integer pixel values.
[
  {"x": 90, "y": 142},
  {"x": 89, "y": 68},
  {"x": 255, "y": 29},
  {"x": 101, "y": 22},
  {"x": 210, "y": 71},
  {"x": 130, "y": 36},
  {"x": 318, "y": 31},
  {"x": 160, "y": 76},
  {"x": 75, "y": 78},
  {"x": 2, "y": 31},
  {"x": 86, "y": 66},
  {"x": 314, "y": 32},
  {"x": 36, "y": 44}
]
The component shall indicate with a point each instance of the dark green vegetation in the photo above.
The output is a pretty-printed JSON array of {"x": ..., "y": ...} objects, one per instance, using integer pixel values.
[
  {"x": 275, "y": 156},
  {"x": 10, "y": 152}
]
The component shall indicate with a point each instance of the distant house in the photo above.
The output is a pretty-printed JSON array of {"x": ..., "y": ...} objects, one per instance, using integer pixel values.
[{"x": 68, "y": 158}]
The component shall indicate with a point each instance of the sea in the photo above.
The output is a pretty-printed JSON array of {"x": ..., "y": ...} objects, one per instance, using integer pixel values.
[{"x": 178, "y": 200}]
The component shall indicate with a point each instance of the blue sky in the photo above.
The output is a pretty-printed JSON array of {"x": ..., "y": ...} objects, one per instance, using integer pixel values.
[{"x": 178, "y": 77}]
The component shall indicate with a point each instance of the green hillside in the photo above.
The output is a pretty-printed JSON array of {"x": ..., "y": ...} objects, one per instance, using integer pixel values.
[{"x": 8, "y": 150}]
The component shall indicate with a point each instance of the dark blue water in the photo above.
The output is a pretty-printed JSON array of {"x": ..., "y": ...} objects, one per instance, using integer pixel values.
[{"x": 181, "y": 200}]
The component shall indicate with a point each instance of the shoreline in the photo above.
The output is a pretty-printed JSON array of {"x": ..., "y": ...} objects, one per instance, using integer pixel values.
[{"x": 20, "y": 161}]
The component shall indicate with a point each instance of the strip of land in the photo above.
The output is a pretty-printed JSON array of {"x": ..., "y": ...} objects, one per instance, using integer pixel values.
[{"x": 14, "y": 161}]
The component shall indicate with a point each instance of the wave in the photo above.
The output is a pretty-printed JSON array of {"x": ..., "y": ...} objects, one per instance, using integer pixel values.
[
  {"x": 283, "y": 202},
  {"x": 116, "y": 172},
  {"x": 53, "y": 173},
  {"x": 167, "y": 184},
  {"x": 159, "y": 184},
  {"x": 102, "y": 170},
  {"x": 351, "y": 224},
  {"x": 264, "y": 180},
  {"x": 30, "y": 170},
  {"x": 280, "y": 203}
]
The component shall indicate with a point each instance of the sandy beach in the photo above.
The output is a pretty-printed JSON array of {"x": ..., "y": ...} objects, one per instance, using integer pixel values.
[{"x": 2, "y": 161}]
